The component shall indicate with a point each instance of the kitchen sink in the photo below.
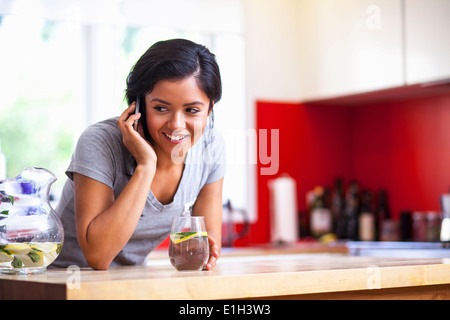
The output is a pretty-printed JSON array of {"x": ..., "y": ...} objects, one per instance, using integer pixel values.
[{"x": 398, "y": 249}]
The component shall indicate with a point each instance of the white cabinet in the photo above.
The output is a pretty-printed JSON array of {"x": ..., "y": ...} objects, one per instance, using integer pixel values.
[
  {"x": 317, "y": 49},
  {"x": 427, "y": 35},
  {"x": 349, "y": 46}
]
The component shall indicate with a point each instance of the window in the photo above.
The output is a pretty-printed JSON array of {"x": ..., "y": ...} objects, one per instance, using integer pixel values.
[
  {"x": 63, "y": 67},
  {"x": 40, "y": 102}
]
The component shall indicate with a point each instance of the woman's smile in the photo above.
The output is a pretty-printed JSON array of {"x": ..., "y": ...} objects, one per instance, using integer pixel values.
[{"x": 176, "y": 139}]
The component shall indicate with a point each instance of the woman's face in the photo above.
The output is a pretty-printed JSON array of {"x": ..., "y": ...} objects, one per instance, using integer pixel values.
[{"x": 177, "y": 112}]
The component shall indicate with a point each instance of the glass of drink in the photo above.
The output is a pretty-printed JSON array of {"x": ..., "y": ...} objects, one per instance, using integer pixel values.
[{"x": 188, "y": 247}]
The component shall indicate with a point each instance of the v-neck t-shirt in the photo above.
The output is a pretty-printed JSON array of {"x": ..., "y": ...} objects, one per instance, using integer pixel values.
[{"x": 101, "y": 155}]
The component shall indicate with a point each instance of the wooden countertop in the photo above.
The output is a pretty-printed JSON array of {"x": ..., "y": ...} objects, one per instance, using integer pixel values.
[{"x": 293, "y": 275}]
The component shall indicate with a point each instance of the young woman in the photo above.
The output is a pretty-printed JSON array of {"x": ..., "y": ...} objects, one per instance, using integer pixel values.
[{"x": 126, "y": 183}]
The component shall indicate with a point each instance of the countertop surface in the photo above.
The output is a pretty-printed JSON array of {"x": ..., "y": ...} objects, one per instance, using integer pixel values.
[{"x": 262, "y": 274}]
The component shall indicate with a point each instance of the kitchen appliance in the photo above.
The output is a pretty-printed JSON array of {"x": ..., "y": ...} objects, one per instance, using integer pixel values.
[{"x": 230, "y": 217}]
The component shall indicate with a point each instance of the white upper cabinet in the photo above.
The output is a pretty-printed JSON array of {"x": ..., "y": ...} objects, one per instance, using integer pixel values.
[
  {"x": 427, "y": 35},
  {"x": 350, "y": 46}
]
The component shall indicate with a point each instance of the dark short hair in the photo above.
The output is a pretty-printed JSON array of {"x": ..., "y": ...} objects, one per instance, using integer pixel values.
[{"x": 175, "y": 59}]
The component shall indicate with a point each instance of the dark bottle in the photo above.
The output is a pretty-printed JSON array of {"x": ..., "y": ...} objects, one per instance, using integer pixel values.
[
  {"x": 406, "y": 226},
  {"x": 338, "y": 210},
  {"x": 352, "y": 210},
  {"x": 382, "y": 214}
]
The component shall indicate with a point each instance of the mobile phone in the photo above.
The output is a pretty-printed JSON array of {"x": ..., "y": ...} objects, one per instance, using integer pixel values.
[{"x": 136, "y": 110}]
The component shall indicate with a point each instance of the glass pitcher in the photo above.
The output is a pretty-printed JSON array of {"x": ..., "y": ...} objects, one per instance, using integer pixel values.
[{"x": 31, "y": 234}]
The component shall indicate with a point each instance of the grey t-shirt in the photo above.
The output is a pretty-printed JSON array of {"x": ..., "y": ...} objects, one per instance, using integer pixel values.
[{"x": 101, "y": 155}]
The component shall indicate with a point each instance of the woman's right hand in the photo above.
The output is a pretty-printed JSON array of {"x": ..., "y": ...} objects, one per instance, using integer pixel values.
[
  {"x": 134, "y": 141},
  {"x": 105, "y": 222}
]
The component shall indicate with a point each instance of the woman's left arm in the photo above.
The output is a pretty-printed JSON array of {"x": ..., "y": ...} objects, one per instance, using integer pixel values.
[{"x": 209, "y": 205}]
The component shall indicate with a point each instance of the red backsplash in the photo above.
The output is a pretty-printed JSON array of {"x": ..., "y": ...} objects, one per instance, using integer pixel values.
[{"x": 402, "y": 146}]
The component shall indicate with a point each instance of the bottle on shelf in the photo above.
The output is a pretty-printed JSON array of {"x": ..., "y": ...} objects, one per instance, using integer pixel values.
[
  {"x": 338, "y": 209},
  {"x": 382, "y": 213},
  {"x": 367, "y": 217},
  {"x": 406, "y": 225},
  {"x": 387, "y": 228},
  {"x": 352, "y": 210},
  {"x": 320, "y": 214},
  {"x": 433, "y": 226},
  {"x": 419, "y": 226}
]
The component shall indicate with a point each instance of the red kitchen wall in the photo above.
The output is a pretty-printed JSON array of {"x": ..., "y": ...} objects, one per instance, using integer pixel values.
[{"x": 402, "y": 146}]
